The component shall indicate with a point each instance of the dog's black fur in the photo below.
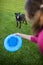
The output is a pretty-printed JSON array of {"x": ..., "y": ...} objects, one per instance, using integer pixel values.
[{"x": 20, "y": 18}]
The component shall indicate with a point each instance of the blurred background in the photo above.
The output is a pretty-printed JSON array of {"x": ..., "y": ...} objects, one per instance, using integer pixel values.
[{"x": 29, "y": 53}]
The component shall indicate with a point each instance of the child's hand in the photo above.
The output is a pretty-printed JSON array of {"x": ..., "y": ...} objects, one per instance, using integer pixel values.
[{"x": 17, "y": 34}]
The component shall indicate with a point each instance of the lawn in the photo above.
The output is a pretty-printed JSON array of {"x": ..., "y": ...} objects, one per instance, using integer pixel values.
[{"x": 29, "y": 53}]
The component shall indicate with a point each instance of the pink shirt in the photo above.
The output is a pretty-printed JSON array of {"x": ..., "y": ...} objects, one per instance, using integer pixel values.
[{"x": 39, "y": 40}]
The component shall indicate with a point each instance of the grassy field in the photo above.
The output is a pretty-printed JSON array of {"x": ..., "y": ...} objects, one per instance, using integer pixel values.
[{"x": 29, "y": 53}]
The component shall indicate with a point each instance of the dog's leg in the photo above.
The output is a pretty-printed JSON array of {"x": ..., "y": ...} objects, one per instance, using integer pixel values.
[
  {"x": 20, "y": 25},
  {"x": 17, "y": 24},
  {"x": 25, "y": 22}
]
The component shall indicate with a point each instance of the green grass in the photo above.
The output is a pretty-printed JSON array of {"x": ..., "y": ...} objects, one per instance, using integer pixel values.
[{"x": 29, "y": 53}]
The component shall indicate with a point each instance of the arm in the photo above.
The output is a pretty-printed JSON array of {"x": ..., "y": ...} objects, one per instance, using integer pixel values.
[{"x": 28, "y": 37}]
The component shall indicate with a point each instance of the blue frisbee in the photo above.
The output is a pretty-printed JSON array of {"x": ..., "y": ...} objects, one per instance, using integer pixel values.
[{"x": 12, "y": 43}]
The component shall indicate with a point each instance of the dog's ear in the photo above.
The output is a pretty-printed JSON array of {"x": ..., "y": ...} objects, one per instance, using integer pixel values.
[{"x": 15, "y": 13}]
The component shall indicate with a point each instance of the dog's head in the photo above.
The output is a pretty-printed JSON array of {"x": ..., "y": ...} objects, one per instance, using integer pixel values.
[{"x": 17, "y": 15}]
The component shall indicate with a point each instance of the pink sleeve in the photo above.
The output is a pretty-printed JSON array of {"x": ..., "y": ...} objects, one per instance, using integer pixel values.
[{"x": 34, "y": 39}]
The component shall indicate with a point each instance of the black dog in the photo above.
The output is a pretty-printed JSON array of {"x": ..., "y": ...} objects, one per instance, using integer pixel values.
[{"x": 20, "y": 18}]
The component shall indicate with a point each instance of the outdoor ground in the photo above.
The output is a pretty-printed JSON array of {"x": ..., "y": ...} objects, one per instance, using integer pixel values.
[{"x": 29, "y": 53}]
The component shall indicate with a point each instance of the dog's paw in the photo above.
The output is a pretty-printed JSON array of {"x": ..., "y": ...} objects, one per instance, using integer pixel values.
[
  {"x": 26, "y": 23},
  {"x": 20, "y": 27}
]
